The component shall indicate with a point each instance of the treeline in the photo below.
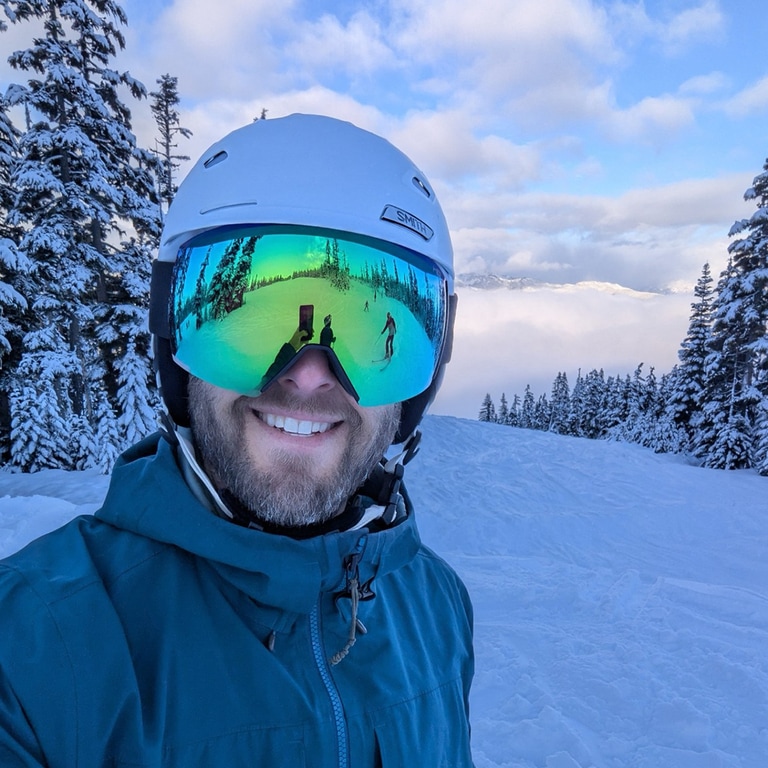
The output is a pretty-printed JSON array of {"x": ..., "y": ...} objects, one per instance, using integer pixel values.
[
  {"x": 81, "y": 206},
  {"x": 629, "y": 408},
  {"x": 713, "y": 405}
]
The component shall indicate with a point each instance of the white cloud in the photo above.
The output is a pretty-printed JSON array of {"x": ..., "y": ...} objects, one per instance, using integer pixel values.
[
  {"x": 693, "y": 25},
  {"x": 508, "y": 339},
  {"x": 498, "y": 28},
  {"x": 703, "y": 85},
  {"x": 674, "y": 32},
  {"x": 654, "y": 237},
  {"x": 451, "y": 146},
  {"x": 651, "y": 120},
  {"x": 751, "y": 100},
  {"x": 488, "y": 56},
  {"x": 356, "y": 48},
  {"x": 217, "y": 54}
]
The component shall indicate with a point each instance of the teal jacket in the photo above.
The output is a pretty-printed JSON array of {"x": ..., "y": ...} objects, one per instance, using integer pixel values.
[{"x": 158, "y": 634}]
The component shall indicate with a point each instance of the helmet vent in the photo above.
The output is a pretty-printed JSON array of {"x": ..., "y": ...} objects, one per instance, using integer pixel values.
[
  {"x": 421, "y": 186},
  {"x": 219, "y": 157}
]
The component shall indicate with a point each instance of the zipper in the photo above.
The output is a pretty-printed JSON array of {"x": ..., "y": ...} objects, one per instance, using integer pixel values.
[{"x": 330, "y": 687}]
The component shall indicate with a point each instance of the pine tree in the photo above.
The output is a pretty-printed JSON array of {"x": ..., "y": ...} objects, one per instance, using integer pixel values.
[
  {"x": 40, "y": 429},
  {"x": 164, "y": 103},
  {"x": 12, "y": 262},
  {"x": 688, "y": 378},
  {"x": 527, "y": 415},
  {"x": 666, "y": 435},
  {"x": 81, "y": 181},
  {"x": 659, "y": 430},
  {"x": 13, "y": 265},
  {"x": 576, "y": 407},
  {"x": 542, "y": 414},
  {"x": 502, "y": 417},
  {"x": 589, "y": 414},
  {"x": 487, "y": 410},
  {"x": 513, "y": 419},
  {"x": 728, "y": 434},
  {"x": 616, "y": 406},
  {"x": 635, "y": 425},
  {"x": 559, "y": 405},
  {"x": 760, "y": 445},
  {"x": 722, "y": 432},
  {"x": 748, "y": 295}
]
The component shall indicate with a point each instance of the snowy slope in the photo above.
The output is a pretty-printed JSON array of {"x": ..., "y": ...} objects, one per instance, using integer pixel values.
[{"x": 621, "y": 597}]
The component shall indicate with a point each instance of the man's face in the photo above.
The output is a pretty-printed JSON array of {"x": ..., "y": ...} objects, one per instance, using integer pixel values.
[{"x": 296, "y": 453}]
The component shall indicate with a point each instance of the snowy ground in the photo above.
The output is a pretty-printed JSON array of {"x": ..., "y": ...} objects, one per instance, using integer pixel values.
[{"x": 621, "y": 597}]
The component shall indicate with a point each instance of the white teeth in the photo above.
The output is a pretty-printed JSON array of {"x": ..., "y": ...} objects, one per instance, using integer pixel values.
[{"x": 294, "y": 426}]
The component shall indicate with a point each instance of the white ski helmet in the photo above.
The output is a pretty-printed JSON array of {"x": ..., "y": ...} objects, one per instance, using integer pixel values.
[{"x": 306, "y": 170}]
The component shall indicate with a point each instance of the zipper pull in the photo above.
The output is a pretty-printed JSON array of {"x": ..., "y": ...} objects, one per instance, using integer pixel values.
[{"x": 355, "y": 592}]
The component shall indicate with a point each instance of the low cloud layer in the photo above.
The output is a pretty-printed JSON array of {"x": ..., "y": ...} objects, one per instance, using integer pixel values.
[{"x": 507, "y": 339}]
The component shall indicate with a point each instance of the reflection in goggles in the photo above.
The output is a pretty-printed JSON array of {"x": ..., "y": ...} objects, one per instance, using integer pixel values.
[{"x": 245, "y": 301}]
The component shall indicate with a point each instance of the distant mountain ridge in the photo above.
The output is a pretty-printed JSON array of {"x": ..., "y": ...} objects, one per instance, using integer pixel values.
[
  {"x": 490, "y": 282},
  {"x": 493, "y": 282}
]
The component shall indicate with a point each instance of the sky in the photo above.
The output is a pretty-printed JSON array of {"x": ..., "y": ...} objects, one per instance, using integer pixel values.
[
  {"x": 620, "y": 596},
  {"x": 568, "y": 141}
]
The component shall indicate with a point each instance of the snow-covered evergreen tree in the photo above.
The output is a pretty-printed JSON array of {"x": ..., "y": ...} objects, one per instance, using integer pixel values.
[
  {"x": 635, "y": 425},
  {"x": 85, "y": 200},
  {"x": 487, "y": 409},
  {"x": 42, "y": 420},
  {"x": 590, "y": 414},
  {"x": 12, "y": 262},
  {"x": 527, "y": 415},
  {"x": 542, "y": 414},
  {"x": 576, "y": 407},
  {"x": 164, "y": 108},
  {"x": 723, "y": 434},
  {"x": 747, "y": 295},
  {"x": 502, "y": 417},
  {"x": 616, "y": 410},
  {"x": 760, "y": 443},
  {"x": 688, "y": 378},
  {"x": 513, "y": 419},
  {"x": 666, "y": 435},
  {"x": 13, "y": 265},
  {"x": 559, "y": 405}
]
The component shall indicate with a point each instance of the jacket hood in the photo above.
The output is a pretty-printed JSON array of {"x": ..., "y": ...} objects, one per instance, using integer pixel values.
[{"x": 148, "y": 496}]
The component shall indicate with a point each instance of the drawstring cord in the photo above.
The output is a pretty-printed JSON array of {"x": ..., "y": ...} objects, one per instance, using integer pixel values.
[
  {"x": 356, "y": 592},
  {"x": 354, "y": 596}
]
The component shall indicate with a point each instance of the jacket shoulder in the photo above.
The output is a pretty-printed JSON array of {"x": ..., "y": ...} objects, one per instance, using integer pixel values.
[{"x": 66, "y": 561}]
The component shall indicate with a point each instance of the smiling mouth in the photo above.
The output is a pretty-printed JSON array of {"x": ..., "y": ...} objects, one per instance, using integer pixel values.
[{"x": 291, "y": 426}]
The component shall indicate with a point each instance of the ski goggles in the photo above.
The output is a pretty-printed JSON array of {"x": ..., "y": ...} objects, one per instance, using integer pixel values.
[{"x": 246, "y": 302}]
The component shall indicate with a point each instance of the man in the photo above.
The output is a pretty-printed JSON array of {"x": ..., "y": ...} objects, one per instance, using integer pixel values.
[
  {"x": 253, "y": 591},
  {"x": 326, "y": 335},
  {"x": 390, "y": 328}
]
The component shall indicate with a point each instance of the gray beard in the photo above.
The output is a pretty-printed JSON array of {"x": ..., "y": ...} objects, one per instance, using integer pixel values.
[{"x": 285, "y": 495}]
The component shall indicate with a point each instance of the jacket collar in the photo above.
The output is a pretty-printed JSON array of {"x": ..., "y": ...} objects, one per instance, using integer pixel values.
[{"x": 149, "y": 497}]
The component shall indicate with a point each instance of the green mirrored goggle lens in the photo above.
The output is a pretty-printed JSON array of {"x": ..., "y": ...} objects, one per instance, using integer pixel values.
[{"x": 244, "y": 301}]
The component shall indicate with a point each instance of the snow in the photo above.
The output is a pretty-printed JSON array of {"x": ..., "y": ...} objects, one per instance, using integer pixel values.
[{"x": 621, "y": 597}]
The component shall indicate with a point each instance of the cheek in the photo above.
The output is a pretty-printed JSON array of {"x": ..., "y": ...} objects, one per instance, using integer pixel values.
[{"x": 379, "y": 423}]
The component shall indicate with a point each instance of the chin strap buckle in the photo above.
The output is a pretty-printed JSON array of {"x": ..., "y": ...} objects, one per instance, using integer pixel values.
[{"x": 394, "y": 469}]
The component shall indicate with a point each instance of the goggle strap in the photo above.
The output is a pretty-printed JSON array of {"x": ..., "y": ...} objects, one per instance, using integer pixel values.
[{"x": 160, "y": 291}]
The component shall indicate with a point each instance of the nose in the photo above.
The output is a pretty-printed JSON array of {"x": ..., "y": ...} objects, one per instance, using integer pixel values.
[{"x": 310, "y": 374}]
